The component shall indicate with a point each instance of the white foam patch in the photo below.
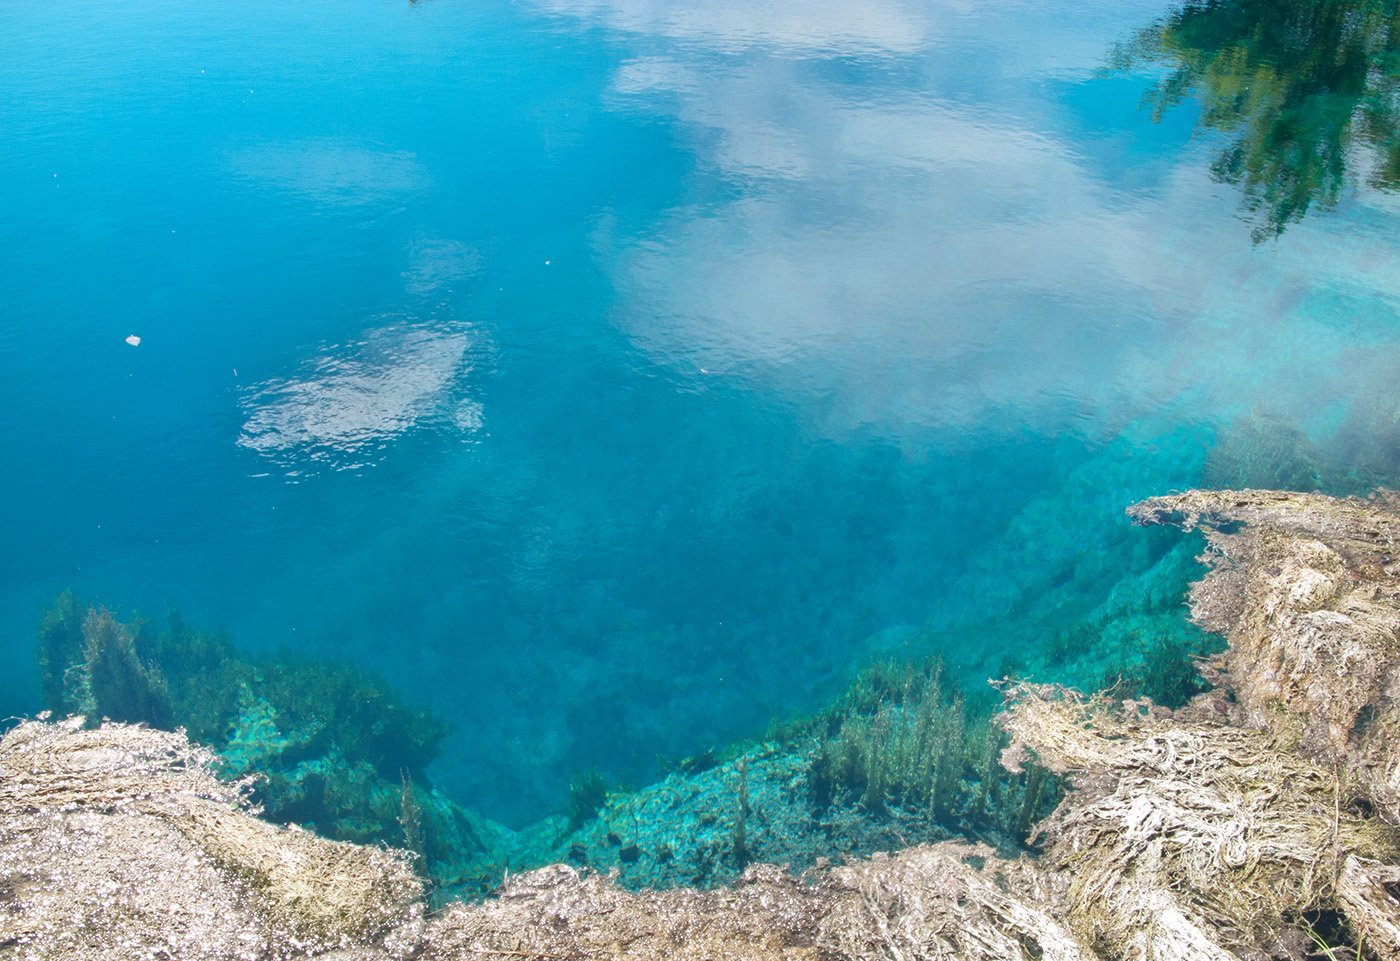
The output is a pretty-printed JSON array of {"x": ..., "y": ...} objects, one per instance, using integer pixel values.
[{"x": 351, "y": 400}]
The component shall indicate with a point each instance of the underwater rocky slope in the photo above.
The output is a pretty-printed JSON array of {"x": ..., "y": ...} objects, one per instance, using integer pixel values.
[
  {"x": 904, "y": 756},
  {"x": 1258, "y": 820}
]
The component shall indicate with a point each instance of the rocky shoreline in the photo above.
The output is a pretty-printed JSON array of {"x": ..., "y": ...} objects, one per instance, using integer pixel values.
[{"x": 1258, "y": 821}]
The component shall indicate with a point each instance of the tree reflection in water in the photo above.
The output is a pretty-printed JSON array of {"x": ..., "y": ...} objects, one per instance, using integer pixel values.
[{"x": 1307, "y": 90}]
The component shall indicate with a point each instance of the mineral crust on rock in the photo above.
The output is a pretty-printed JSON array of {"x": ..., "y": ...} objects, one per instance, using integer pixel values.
[
  {"x": 947, "y": 901},
  {"x": 1184, "y": 837}
]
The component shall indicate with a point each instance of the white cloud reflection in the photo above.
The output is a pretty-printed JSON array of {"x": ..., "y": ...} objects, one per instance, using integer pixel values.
[
  {"x": 811, "y": 27},
  {"x": 908, "y": 259},
  {"x": 350, "y": 400}
]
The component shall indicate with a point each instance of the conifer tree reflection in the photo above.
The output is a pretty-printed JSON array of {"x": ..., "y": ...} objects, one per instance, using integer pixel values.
[{"x": 1308, "y": 91}]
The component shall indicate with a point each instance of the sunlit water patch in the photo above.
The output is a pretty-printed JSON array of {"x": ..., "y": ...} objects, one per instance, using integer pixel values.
[{"x": 351, "y": 400}]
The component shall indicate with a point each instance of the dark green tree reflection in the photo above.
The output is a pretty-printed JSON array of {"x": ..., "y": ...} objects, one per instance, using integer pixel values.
[{"x": 1307, "y": 90}]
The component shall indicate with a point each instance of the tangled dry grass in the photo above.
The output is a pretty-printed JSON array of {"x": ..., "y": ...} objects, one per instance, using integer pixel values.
[
  {"x": 1306, "y": 589},
  {"x": 948, "y": 902},
  {"x": 1185, "y": 838}
]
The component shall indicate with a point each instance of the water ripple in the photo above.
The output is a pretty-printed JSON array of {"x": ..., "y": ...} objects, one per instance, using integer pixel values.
[{"x": 352, "y": 400}]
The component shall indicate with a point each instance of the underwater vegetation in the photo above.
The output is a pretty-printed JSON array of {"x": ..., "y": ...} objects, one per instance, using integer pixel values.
[
  {"x": 92, "y": 664},
  {"x": 905, "y": 743},
  {"x": 588, "y": 791},
  {"x": 1307, "y": 91},
  {"x": 333, "y": 746},
  {"x": 1150, "y": 656},
  {"x": 329, "y": 746},
  {"x": 1262, "y": 450},
  {"x": 904, "y": 755}
]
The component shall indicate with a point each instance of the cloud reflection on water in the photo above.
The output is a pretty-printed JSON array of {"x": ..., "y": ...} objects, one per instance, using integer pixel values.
[
  {"x": 353, "y": 399},
  {"x": 847, "y": 27},
  {"x": 905, "y": 259}
]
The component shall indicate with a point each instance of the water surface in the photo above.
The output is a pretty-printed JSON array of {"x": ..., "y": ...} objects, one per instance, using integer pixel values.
[{"x": 615, "y": 377}]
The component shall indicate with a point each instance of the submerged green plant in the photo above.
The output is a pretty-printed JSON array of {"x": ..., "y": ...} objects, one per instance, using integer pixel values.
[
  {"x": 91, "y": 665},
  {"x": 61, "y": 647},
  {"x": 120, "y": 685},
  {"x": 1165, "y": 670},
  {"x": 411, "y": 819},
  {"x": 905, "y": 743},
  {"x": 739, "y": 844}
]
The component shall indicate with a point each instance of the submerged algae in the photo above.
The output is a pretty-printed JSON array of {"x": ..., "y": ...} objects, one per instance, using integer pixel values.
[
  {"x": 334, "y": 749},
  {"x": 904, "y": 757},
  {"x": 1220, "y": 830}
]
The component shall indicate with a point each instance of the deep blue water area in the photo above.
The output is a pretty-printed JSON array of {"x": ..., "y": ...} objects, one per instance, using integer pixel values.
[{"x": 616, "y": 377}]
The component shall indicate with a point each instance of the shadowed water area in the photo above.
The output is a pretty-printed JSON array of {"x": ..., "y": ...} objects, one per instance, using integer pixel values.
[{"x": 614, "y": 378}]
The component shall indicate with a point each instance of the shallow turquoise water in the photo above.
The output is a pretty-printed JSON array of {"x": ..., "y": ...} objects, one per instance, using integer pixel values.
[{"x": 615, "y": 377}]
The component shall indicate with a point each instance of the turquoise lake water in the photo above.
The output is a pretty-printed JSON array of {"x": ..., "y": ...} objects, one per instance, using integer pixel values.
[{"x": 617, "y": 376}]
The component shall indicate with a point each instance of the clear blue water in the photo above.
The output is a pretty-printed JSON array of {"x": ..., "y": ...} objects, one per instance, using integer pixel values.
[{"x": 614, "y": 377}]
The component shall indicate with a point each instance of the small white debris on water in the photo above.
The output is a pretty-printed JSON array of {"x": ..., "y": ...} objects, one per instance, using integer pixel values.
[{"x": 133, "y": 340}]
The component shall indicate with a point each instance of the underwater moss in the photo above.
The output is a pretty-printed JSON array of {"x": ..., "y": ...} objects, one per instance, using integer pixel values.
[
  {"x": 739, "y": 851},
  {"x": 1170, "y": 675},
  {"x": 1260, "y": 449},
  {"x": 90, "y": 665},
  {"x": 411, "y": 820},
  {"x": 1165, "y": 670},
  {"x": 60, "y": 647},
  {"x": 120, "y": 684}
]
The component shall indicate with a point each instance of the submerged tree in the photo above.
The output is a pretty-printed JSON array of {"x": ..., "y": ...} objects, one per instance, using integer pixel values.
[{"x": 1308, "y": 91}]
